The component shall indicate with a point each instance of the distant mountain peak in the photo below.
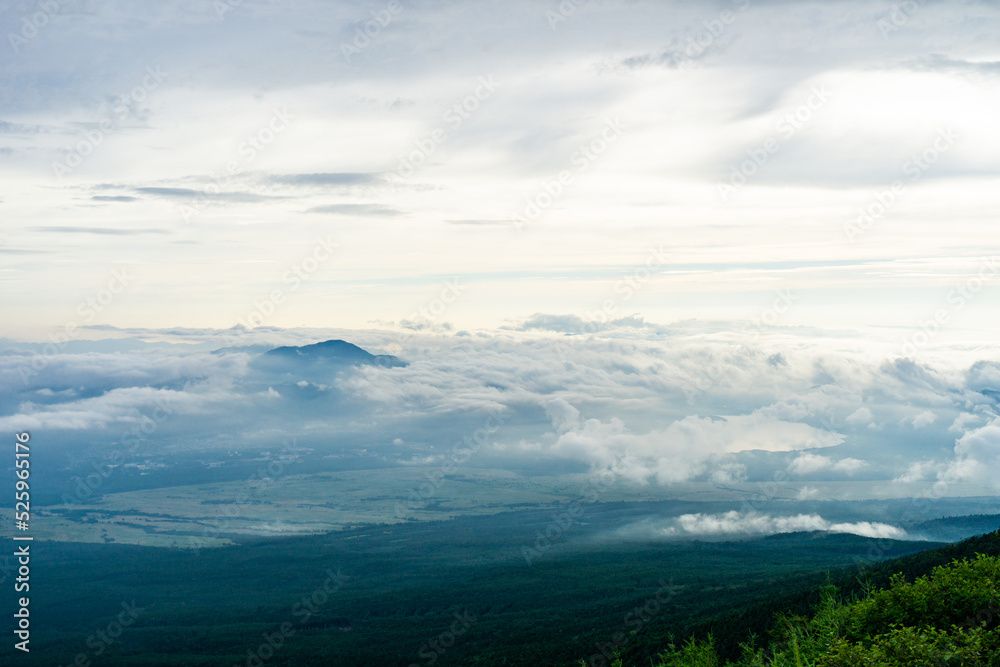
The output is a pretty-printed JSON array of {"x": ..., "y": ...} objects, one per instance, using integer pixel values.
[{"x": 329, "y": 352}]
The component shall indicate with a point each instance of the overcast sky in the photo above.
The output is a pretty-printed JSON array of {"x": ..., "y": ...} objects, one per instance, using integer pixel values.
[
  {"x": 684, "y": 160},
  {"x": 677, "y": 240}
]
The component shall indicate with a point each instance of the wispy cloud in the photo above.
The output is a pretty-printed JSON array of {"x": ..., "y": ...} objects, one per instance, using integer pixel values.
[
  {"x": 366, "y": 210},
  {"x": 188, "y": 194},
  {"x": 117, "y": 198},
  {"x": 103, "y": 231},
  {"x": 732, "y": 524},
  {"x": 335, "y": 179}
]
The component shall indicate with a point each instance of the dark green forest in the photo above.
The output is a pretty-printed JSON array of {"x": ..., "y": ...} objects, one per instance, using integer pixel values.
[{"x": 448, "y": 593}]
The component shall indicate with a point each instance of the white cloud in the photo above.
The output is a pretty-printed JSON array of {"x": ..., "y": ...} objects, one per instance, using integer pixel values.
[
  {"x": 977, "y": 457},
  {"x": 682, "y": 450},
  {"x": 653, "y": 408},
  {"x": 917, "y": 471},
  {"x": 753, "y": 523},
  {"x": 808, "y": 463},
  {"x": 807, "y": 493},
  {"x": 728, "y": 473},
  {"x": 850, "y": 465},
  {"x": 925, "y": 418},
  {"x": 860, "y": 417},
  {"x": 564, "y": 416},
  {"x": 963, "y": 421},
  {"x": 118, "y": 406}
]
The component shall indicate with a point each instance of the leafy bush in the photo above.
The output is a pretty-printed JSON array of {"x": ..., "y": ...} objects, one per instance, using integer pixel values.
[{"x": 950, "y": 617}]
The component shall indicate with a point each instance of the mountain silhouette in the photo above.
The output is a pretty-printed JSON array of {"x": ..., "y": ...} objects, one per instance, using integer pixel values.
[{"x": 323, "y": 358}]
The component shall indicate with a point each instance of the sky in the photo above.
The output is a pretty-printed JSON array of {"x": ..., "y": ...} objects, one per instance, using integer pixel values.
[
  {"x": 677, "y": 240},
  {"x": 712, "y": 154}
]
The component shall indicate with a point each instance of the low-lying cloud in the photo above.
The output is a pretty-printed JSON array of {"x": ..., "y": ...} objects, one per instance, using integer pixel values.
[
  {"x": 736, "y": 523},
  {"x": 653, "y": 408}
]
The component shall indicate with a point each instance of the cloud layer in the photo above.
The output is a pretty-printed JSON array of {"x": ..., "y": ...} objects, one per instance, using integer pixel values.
[{"x": 653, "y": 408}]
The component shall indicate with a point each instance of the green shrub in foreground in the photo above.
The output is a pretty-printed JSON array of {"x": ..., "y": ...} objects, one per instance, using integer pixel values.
[{"x": 950, "y": 618}]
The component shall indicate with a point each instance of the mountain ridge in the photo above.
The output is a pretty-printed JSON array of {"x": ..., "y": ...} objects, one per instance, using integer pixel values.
[{"x": 333, "y": 352}]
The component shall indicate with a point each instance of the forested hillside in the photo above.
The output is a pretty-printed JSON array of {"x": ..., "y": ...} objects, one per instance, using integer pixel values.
[{"x": 939, "y": 607}]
